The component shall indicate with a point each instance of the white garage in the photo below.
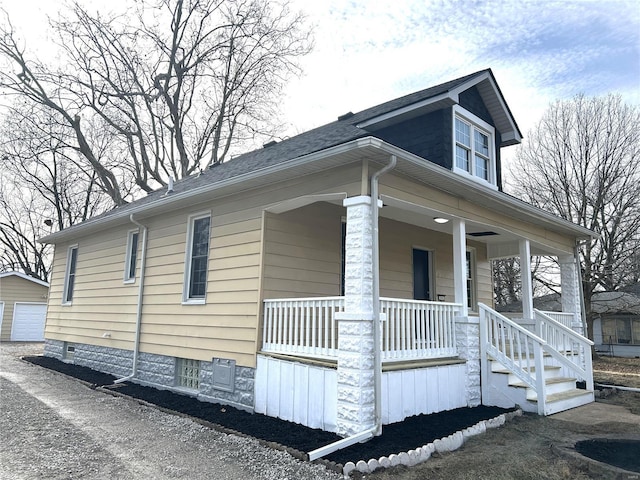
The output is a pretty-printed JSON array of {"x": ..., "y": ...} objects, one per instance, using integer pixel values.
[
  {"x": 28, "y": 322},
  {"x": 23, "y": 307}
]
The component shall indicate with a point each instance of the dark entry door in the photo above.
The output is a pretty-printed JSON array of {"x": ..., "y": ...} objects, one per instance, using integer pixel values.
[{"x": 421, "y": 274}]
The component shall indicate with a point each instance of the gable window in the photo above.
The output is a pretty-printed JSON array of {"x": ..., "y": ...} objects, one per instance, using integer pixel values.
[
  {"x": 197, "y": 258},
  {"x": 131, "y": 257},
  {"x": 474, "y": 147},
  {"x": 70, "y": 275}
]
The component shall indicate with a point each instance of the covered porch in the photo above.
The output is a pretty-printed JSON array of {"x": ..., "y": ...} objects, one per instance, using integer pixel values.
[{"x": 415, "y": 267}]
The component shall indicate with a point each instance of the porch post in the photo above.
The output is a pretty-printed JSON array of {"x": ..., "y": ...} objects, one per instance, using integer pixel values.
[
  {"x": 356, "y": 396},
  {"x": 570, "y": 288},
  {"x": 460, "y": 265},
  {"x": 525, "y": 276},
  {"x": 467, "y": 328}
]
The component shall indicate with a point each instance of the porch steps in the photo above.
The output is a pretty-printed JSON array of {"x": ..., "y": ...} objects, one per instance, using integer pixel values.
[{"x": 561, "y": 392}]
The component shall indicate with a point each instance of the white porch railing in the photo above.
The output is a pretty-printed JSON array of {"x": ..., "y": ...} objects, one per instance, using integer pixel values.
[
  {"x": 412, "y": 330},
  {"x": 569, "y": 348},
  {"x": 564, "y": 318},
  {"x": 302, "y": 326},
  {"x": 417, "y": 329}
]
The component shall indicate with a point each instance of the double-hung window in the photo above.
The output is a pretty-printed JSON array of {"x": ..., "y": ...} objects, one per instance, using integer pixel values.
[
  {"x": 474, "y": 147},
  {"x": 70, "y": 275},
  {"x": 131, "y": 257},
  {"x": 197, "y": 258}
]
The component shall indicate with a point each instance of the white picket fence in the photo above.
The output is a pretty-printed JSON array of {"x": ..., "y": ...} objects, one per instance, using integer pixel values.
[{"x": 411, "y": 330}]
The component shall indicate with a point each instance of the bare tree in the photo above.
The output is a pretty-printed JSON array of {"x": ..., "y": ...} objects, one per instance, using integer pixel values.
[
  {"x": 177, "y": 83},
  {"x": 582, "y": 162},
  {"x": 45, "y": 186},
  {"x": 507, "y": 280}
]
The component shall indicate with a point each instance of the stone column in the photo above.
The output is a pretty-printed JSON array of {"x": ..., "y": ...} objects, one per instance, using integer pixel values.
[
  {"x": 356, "y": 392},
  {"x": 570, "y": 286},
  {"x": 468, "y": 345}
]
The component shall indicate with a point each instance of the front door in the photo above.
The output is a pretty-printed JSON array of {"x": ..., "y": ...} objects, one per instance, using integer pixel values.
[{"x": 421, "y": 274}]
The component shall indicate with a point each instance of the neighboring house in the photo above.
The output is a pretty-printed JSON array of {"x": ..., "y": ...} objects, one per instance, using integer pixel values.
[
  {"x": 616, "y": 327},
  {"x": 23, "y": 307},
  {"x": 257, "y": 282}
]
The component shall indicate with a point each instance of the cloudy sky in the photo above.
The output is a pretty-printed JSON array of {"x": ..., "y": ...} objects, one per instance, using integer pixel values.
[{"x": 370, "y": 51}]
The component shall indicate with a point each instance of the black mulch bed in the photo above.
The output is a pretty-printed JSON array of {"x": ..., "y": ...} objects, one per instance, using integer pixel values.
[
  {"x": 617, "y": 452},
  {"x": 398, "y": 437}
]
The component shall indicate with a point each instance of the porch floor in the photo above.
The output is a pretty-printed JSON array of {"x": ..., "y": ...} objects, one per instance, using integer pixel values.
[{"x": 386, "y": 366}]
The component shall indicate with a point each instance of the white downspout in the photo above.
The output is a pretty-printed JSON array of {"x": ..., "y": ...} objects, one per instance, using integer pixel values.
[
  {"x": 136, "y": 343},
  {"x": 377, "y": 343}
]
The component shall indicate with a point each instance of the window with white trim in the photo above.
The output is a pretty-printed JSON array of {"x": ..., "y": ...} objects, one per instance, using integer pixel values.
[
  {"x": 197, "y": 258},
  {"x": 70, "y": 274},
  {"x": 471, "y": 280},
  {"x": 473, "y": 146},
  {"x": 188, "y": 373},
  {"x": 131, "y": 257}
]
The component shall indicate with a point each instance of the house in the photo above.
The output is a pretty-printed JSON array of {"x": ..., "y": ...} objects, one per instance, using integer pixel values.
[
  {"x": 616, "y": 326},
  {"x": 339, "y": 279},
  {"x": 23, "y": 307},
  {"x": 616, "y": 329}
]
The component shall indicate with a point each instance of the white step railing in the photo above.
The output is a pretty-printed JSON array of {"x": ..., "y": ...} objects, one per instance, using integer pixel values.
[
  {"x": 570, "y": 349},
  {"x": 515, "y": 347},
  {"x": 417, "y": 329},
  {"x": 564, "y": 318},
  {"x": 412, "y": 329}
]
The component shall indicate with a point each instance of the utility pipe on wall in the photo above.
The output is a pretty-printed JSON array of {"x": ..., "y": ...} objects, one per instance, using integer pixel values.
[{"x": 136, "y": 342}]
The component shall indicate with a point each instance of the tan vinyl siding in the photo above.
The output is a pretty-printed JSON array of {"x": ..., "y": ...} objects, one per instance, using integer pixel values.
[
  {"x": 102, "y": 303},
  {"x": 227, "y": 324},
  {"x": 15, "y": 289},
  {"x": 302, "y": 252},
  {"x": 397, "y": 241}
]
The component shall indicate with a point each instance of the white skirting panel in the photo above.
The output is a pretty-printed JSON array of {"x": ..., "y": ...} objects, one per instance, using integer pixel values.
[
  {"x": 296, "y": 392},
  {"x": 422, "y": 390},
  {"x": 307, "y": 394}
]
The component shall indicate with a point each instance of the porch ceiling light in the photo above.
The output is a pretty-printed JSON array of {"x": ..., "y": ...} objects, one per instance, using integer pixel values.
[{"x": 440, "y": 220}]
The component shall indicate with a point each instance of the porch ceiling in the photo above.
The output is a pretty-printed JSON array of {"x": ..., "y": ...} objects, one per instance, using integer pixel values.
[{"x": 503, "y": 244}]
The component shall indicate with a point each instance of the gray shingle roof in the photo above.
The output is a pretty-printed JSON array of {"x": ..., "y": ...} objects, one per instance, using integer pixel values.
[{"x": 320, "y": 138}]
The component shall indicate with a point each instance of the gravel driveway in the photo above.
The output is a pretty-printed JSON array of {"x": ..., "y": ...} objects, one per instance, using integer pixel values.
[{"x": 53, "y": 427}]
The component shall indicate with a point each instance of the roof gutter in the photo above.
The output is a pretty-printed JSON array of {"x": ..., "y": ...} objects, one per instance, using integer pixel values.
[
  {"x": 361, "y": 143},
  {"x": 136, "y": 342},
  {"x": 229, "y": 182}
]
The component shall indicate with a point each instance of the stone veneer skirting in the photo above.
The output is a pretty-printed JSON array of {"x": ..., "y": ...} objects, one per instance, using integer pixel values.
[{"x": 158, "y": 371}]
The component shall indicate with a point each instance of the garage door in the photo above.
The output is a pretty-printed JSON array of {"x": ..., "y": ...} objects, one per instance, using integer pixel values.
[{"x": 28, "y": 322}]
